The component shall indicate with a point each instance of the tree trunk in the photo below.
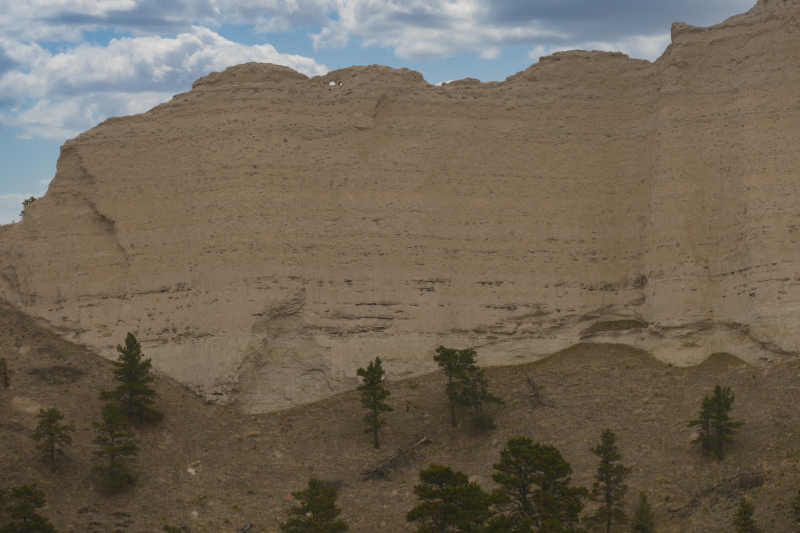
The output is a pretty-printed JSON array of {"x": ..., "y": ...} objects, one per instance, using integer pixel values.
[
  {"x": 377, "y": 446},
  {"x": 452, "y": 405}
]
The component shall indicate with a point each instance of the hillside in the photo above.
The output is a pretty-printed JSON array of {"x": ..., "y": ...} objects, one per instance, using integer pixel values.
[{"x": 246, "y": 465}]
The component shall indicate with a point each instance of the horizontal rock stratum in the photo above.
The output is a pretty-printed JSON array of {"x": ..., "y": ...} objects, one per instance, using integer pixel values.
[{"x": 266, "y": 234}]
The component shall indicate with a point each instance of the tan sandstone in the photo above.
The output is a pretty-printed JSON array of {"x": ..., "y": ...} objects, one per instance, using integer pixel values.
[{"x": 266, "y": 234}]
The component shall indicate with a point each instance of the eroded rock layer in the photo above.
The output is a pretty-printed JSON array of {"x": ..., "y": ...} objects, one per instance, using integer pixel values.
[{"x": 266, "y": 234}]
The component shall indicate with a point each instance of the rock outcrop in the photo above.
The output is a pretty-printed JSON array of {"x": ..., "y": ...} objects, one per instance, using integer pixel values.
[{"x": 266, "y": 234}]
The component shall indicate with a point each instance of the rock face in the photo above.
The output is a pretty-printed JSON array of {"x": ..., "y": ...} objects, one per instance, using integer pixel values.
[{"x": 266, "y": 234}]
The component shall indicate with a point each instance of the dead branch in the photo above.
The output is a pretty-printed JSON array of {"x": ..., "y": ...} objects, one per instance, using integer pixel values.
[
  {"x": 245, "y": 528},
  {"x": 381, "y": 467},
  {"x": 732, "y": 487},
  {"x": 536, "y": 392}
]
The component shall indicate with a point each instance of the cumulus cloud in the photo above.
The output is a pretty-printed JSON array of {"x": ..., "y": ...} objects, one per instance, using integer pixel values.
[
  {"x": 56, "y": 95},
  {"x": 76, "y": 89},
  {"x": 423, "y": 29},
  {"x": 65, "y": 20}
]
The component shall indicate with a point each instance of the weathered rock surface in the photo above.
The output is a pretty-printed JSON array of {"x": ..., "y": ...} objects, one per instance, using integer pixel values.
[{"x": 266, "y": 234}]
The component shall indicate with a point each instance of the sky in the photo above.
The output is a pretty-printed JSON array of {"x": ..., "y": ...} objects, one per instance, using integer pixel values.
[{"x": 66, "y": 65}]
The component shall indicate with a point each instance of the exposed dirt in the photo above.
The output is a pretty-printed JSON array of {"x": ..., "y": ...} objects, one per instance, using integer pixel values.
[{"x": 246, "y": 466}]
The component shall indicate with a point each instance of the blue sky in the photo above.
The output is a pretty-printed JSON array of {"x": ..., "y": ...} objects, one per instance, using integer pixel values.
[{"x": 66, "y": 65}]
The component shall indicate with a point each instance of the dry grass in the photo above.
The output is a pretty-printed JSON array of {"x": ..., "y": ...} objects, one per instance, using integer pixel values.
[{"x": 248, "y": 465}]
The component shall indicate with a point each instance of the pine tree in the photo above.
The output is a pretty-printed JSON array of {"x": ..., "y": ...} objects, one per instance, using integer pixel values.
[
  {"x": 715, "y": 424},
  {"x": 117, "y": 445},
  {"x": 743, "y": 518},
  {"x": 134, "y": 391},
  {"x": 643, "y": 519},
  {"x": 474, "y": 392},
  {"x": 609, "y": 488},
  {"x": 27, "y": 500},
  {"x": 51, "y": 435},
  {"x": 448, "y": 502},
  {"x": 534, "y": 486},
  {"x": 704, "y": 420},
  {"x": 317, "y": 511},
  {"x": 372, "y": 395},
  {"x": 456, "y": 365},
  {"x": 5, "y": 373}
]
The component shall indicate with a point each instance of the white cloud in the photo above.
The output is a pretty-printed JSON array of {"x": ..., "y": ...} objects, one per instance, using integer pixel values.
[
  {"x": 635, "y": 46},
  {"x": 84, "y": 85},
  {"x": 493, "y": 52}
]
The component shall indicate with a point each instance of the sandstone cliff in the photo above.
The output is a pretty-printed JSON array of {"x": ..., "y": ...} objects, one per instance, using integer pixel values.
[{"x": 265, "y": 234}]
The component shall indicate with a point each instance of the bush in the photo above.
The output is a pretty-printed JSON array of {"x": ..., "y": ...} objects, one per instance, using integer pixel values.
[
  {"x": 448, "y": 502},
  {"x": 27, "y": 500},
  {"x": 317, "y": 511}
]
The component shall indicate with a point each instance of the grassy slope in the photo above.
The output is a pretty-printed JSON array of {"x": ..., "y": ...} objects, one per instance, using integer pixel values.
[{"x": 249, "y": 464}]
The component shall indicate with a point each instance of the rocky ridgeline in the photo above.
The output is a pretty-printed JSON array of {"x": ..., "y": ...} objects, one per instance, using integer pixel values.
[{"x": 265, "y": 234}]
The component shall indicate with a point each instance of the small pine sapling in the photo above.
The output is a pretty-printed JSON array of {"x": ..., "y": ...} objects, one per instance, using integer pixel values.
[
  {"x": 51, "y": 435},
  {"x": 474, "y": 392},
  {"x": 448, "y": 502},
  {"x": 715, "y": 425},
  {"x": 609, "y": 488},
  {"x": 27, "y": 499},
  {"x": 456, "y": 364},
  {"x": 134, "y": 392},
  {"x": 372, "y": 395},
  {"x": 643, "y": 518},
  {"x": 116, "y": 445},
  {"x": 743, "y": 518},
  {"x": 317, "y": 511}
]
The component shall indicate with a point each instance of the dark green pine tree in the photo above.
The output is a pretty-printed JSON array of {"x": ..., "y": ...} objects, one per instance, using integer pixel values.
[
  {"x": 116, "y": 446},
  {"x": 317, "y": 511},
  {"x": 456, "y": 365},
  {"x": 474, "y": 392},
  {"x": 448, "y": 502},
  {"x": 716, "y": 427},
  {"x": 535, "y": 488},
  {"x": 743, "y": 518},
  {"x": 51, "y": 435},
  {"x": 134, "y": 392},
  {"x": 643, "y": 519},
  {"x": 372, "y": 395},
  {"x": 609, "y": 487},
  {"x": 704, "y": 420},
  {"x": 27, "y": 499}
]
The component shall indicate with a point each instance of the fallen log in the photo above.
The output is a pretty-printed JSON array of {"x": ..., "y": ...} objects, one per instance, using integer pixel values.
[{"x": 380, "y": 467}]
